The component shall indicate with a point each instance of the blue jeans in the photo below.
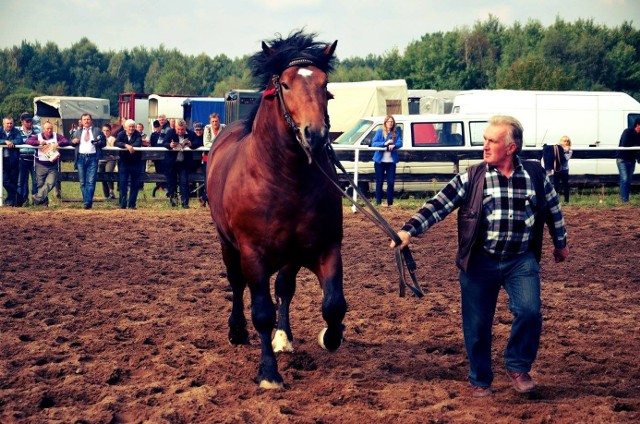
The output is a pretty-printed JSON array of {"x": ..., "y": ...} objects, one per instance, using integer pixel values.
[
  {"x": 129, "y": 171},
  {"x": 87, "y": 170},
  {"x": 520, "y": 277},
  {"x": 204, "y": 187},
  {"x": 625, "y": 168},
  {"x": 177, "y": 173},
  {"x": 382, "y": 169},
  {"x": 10, "y": 180},
  {"x": 26, "y": 169}
]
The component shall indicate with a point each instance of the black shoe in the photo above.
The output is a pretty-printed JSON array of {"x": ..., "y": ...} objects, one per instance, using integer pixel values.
[
  {"x": 185, "y": 206},
  {"x": 173, "y": 201}
]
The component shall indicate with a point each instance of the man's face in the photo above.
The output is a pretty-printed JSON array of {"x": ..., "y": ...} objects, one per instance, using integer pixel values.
[
  {"x": 106, "y": 131},
  {"x": 181, "y": 130},
  {"x": 7, "y": 124},
  {"x": 130, "y": 128},
  {"x": 47, "y": 130},
  {"x": 215, "y": 123},
  {"x": 27, "y": 124},
  {"x": 140, "y": 128},
  {"x": 86, "y": 121},
  {"x": 162, "y": 120},
  {"x": 637, "y": 128},
  {"x": 496, "y": 151}
]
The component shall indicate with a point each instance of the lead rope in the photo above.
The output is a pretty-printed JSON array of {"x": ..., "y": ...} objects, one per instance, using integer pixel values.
[{"x": 404, "y": 258}]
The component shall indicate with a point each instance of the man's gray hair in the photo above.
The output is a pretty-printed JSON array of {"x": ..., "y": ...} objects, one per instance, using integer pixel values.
[{"x": 513, "y": 136}]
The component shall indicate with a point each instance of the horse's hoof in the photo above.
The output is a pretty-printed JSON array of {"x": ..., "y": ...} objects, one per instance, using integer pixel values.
[
  {"x": 239, "y": 337},
  {"x": 281, "y": 343},
  {"x": 321, "y": 338},
  {"x": 271, "y": 385},
  {"x": 332, "y": 344}
]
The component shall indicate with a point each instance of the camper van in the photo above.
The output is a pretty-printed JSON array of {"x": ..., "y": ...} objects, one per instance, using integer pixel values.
[
  {"x": 590, "y": 119},
  {"x": 431, "y": 144}
]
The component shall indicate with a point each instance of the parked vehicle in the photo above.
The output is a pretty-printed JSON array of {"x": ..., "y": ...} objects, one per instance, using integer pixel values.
[
  {"x": 431, "y": 144},
  {"x": 590, "y": 119}
]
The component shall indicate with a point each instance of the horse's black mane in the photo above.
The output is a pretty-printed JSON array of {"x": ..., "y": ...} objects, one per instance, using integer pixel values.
[{"x": 298, "y": 45}]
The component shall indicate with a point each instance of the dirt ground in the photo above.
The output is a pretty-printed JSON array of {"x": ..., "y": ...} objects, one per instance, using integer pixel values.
[{"x": 121, "y": 317}]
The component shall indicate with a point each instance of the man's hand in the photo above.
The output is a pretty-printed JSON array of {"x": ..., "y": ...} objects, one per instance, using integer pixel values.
[
  {"x": 404, "y": 236},
  {"x": 559, "y": 255}
]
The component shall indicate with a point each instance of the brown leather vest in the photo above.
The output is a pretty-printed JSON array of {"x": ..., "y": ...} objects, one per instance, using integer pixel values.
[{"x": 470, "y": 214}]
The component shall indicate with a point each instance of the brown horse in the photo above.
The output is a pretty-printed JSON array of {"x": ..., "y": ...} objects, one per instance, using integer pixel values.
[{"x": 273, "y": 207}]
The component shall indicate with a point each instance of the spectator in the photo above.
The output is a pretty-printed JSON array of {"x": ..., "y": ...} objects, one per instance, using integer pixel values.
[
  {"x": 198, "y": 129},
  {"x": 626, "y": 160},
  {"x": 180, "y": 142},
  {"x": 500, "y": 234},
  {"x": 26, "y": 167},
  {"x": 385, "y": 161},
  {"x": 172, "y": 123},
  {"x": 46, "y": 161},
  {"x": 129, "y": 169},
  {"x": 561, "y": 177},
  {"x": 158, "y": 164},
  {"x": 210, "y": 133},
  {"x": 88, "y": 141},
  {"x": 145, "y": 143},
  {"x": 10, "y": 138},
  {"x": 108, "y": 162}
]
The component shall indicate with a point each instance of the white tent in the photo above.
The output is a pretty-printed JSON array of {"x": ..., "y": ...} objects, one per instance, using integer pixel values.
[{"x": 64, "y": 111}]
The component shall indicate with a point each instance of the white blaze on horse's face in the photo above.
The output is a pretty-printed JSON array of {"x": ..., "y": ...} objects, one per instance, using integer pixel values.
[{"x": 305, "y": 72}]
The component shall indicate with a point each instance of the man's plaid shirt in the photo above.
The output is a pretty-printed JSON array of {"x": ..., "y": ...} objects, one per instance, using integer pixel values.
[{"x": 508, "y": 204}]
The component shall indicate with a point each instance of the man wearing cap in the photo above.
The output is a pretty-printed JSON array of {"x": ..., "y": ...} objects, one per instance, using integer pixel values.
[
  {"x": 26, "y": 167},
  {"x": 158, "y": 158},
  {"x": 10, "y": 139}
]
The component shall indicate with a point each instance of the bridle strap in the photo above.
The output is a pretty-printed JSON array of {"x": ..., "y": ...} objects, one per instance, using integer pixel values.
[
  {"x": 285, "y": 112},
  {"x": 404, "y": 258}
]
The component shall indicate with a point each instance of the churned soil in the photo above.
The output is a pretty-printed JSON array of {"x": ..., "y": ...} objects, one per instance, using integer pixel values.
[{"x": 121, "y": 317}]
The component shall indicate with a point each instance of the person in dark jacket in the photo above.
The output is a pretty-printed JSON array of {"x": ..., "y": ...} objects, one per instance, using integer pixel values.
[
  {"x": 10, "y": 140},
  {"x": 627, "y": 159},
  {"x": 129, "y": 165},
  {"x": 504, "y": 203},
  {"x": 181, "y": 142}
]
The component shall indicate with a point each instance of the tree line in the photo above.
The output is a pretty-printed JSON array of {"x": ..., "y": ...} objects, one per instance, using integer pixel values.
[{"x": 489, "y": 55}]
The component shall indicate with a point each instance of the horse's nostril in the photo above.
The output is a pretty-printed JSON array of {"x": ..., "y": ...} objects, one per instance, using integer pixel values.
[{"x": 307, "y": 133}]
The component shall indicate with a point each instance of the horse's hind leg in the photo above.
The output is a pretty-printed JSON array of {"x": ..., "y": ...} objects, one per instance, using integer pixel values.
[
  {"x": 334, "y": 305},
  {"x": 285, "y": 288},
  {"x": 237, "y": 322}
]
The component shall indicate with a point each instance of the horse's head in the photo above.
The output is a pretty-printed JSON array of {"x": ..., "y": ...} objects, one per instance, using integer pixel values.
[{"x": 298, "y": 83}]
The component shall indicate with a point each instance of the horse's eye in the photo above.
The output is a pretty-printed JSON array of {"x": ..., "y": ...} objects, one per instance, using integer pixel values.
[{"x": 285, "y": 86}]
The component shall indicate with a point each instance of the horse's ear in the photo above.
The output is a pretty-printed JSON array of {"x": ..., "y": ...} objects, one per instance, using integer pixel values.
[
  {"x": 331, "y": 48},
  {"x": 267, "y": 50}
]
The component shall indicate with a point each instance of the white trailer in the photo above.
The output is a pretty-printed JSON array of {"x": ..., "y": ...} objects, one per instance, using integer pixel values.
[
  {"x": 355, "y": 100},
  {"x": 590, "y": 119}
]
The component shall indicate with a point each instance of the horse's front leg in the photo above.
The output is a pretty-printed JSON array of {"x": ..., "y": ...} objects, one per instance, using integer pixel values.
[
  {"x": 334, "y": 305},
  {"x": 285, "y": 288},
  {"x": 237, "y": 322},
  {"x": 263, "y": 315}
]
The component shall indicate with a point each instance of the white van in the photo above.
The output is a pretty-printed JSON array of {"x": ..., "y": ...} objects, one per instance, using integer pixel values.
[
  {"x": 591, "y": 119},
  {"x": 431, "y": 144}
]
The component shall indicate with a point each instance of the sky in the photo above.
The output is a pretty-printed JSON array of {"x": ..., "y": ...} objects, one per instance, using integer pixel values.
[{"x": 237, "y": 27}]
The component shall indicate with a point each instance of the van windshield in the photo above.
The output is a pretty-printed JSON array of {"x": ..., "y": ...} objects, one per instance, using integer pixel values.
[{"x": 351, "y": 136}]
